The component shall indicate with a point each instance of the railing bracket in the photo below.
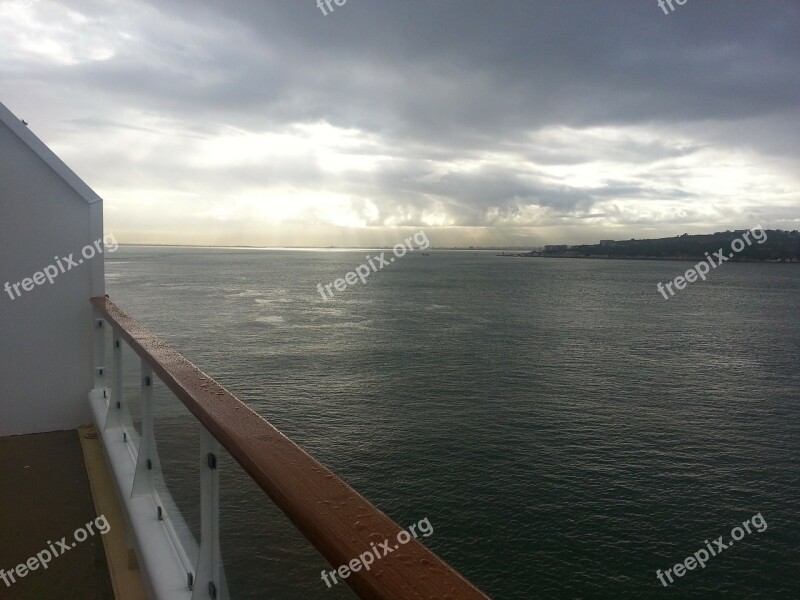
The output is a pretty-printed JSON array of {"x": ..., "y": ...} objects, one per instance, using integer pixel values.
[{"x": 212, "y": 460}]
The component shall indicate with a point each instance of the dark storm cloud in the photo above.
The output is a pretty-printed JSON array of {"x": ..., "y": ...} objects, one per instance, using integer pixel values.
[
  {"x": 454, "y": 71},
  {"x": 481, "y": 70}
]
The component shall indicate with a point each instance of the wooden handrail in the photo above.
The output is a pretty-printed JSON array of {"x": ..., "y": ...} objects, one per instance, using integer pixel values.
[{"x": 336, "y": 519}]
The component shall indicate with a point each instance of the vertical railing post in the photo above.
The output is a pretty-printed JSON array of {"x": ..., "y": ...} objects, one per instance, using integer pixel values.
[
  {"x": 208, "y": 581},
  {"x": 114, "y": 415},
  {"x": 99, "y": 343},
  {"x": 146, "y": 460}
]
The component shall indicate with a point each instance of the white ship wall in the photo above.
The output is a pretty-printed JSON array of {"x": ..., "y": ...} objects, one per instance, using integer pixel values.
[{"x": 46, "y": 341}]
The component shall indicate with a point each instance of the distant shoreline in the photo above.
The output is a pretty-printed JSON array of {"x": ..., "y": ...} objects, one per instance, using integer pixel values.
[
  {"x": 455, "y": 249},
  {"x": 763, "y": 246},
  {"x": 510, "y": 253},
  {"x": 744, "y": 245},
  {"x": 673, "y": 258}
]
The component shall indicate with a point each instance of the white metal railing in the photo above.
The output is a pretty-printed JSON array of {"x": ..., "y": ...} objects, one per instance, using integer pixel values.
[{"x": 175, "y": 567}]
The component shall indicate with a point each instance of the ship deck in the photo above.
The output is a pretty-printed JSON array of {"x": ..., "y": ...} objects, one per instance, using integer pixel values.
[{"x": 45, "y": 496}]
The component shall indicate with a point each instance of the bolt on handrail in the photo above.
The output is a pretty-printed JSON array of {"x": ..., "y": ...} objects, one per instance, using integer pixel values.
[{"x": 296, "y": 482}]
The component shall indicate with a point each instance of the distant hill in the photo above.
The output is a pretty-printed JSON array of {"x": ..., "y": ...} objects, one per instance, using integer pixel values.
[{"x": 779, "y": 245}]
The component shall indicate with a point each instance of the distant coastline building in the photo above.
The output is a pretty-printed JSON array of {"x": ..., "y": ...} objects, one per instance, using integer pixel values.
[
  {"x": 556, "y": 248},
  {"x": 606, "y": 243}
]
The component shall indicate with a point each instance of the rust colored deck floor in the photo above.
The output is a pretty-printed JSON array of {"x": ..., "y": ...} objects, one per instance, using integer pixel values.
[{"x": 44, "y": 496}]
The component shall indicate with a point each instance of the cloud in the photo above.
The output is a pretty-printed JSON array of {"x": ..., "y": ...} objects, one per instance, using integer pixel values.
[{"x": 514, "y": 120}]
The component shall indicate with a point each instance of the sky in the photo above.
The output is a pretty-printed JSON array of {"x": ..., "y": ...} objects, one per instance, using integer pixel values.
[{"x": 485, "y": 123}]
